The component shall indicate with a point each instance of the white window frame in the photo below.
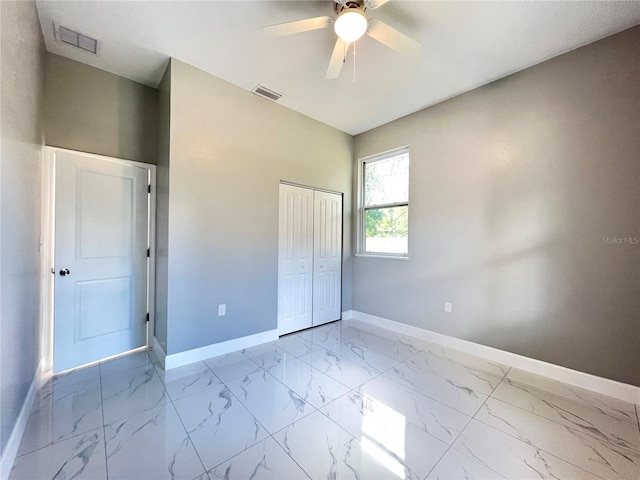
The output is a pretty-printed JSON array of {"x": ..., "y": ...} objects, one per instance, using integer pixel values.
[{"x": 360, "y": 250}]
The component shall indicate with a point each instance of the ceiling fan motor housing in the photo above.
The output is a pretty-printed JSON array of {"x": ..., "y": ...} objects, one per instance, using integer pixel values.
[{"x": 343, "y": 5}]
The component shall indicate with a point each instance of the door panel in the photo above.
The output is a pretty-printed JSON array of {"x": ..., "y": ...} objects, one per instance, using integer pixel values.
[
  {"x": 101, "y": 237},
  {"x": 295, "y": 259},
  {"x": 327, "y": 284},
  {"x": 96, "y": 312},
  {"x": 105, "y": 230}
]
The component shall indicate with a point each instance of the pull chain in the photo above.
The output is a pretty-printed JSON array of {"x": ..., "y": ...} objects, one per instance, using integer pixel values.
[{"x": 354, "y": 62}]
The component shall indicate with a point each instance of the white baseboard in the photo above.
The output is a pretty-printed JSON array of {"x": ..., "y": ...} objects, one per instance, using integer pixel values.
[
  {"x": 11, "y": 448},
  {"x": 158, "y": 350},
  {"x": 605, "y": 386},
  {"x": 347, "y": 314},
  {"x": 197, "y": 354}
]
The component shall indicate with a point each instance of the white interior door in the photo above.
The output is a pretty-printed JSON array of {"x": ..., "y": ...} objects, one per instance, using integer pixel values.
[
  {"x": 327, "y": 257},
  {"x": 295, "y": 259},
  {"x": 101, "y": 241}
]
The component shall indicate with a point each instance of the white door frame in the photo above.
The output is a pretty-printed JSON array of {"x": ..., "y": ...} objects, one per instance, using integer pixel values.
[
  {"x": 318, "y": 189},
  {"x": 47, "y": 246}
]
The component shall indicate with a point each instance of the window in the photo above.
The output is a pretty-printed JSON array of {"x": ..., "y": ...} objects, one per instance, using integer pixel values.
[{"x": 385, "y": 204}]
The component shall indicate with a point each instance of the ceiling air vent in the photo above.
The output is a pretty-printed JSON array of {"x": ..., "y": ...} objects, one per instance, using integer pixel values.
[
  {"x": 68, "y": 36},
  {"x": 266, "y": 93}
]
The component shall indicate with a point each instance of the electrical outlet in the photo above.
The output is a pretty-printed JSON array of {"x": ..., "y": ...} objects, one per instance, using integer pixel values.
[
  {"x": 447, "y": 307},
  {"x": 222, "y": 309}
]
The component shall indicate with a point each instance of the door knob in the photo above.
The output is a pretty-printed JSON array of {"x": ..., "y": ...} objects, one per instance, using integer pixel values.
[{"x": 64, "y": 271}]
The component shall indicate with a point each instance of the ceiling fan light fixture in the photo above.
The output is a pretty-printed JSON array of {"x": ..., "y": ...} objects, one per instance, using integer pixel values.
[{"x": 350, "y": 25}]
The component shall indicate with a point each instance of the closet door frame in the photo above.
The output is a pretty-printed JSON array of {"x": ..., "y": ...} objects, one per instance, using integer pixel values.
[{"x": 282, "y": 330}]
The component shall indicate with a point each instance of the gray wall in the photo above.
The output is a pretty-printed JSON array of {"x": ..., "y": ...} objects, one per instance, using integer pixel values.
[
  {"x": 513, "y": 187},
  {"x": 162, "y": 207},
  {"x": 229, "y": 150},
  {"x": 21, "y": 132},
  {"x": 94, "y": 111}
]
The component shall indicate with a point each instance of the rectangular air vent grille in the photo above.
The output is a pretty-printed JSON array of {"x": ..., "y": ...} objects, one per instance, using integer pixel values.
[
  {"x": 76, "y": 39},
  {"x": 266, "y": 93}
]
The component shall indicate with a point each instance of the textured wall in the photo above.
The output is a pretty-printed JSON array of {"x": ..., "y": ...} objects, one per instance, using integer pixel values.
[
  {"x": 94, "y": 111},
  {"x": 229, "y": 151},
  {"x": 22, "y": 135},
  {"x": 513, "y": 187}
]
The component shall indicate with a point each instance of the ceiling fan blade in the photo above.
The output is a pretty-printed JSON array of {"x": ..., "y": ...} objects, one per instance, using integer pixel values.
[
  {"x": 373, "y": 4},
  {"x": 392, "y": 38},
  {"x": 337, "y": 59},
  {"x": 299, "y": 26}
]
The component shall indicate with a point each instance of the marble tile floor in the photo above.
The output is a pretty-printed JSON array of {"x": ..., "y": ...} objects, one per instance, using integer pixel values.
[{"x": 345, "y": 400}]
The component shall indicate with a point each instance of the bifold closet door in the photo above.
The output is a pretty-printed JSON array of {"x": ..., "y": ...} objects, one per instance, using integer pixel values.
[
  {"x": 295, "y": 259},
  {"x": 327, "y": 257}
]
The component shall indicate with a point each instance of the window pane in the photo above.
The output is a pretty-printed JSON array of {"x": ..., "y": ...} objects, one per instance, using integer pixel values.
[
  {"x": 386, "y": 230},
  {"x": 386, "y": 181}
]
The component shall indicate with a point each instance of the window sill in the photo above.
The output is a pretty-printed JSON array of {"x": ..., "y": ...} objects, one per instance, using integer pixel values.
[{"x": 386, "y": 257}]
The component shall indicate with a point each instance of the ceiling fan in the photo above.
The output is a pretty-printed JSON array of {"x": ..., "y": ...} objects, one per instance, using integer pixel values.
[{"x": 350, "y": 25}]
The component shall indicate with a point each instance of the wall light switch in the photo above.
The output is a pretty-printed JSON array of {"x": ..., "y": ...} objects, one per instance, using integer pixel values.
[
  {"x": 222, "y": 309},
  {"x": 447, "y": 307}
]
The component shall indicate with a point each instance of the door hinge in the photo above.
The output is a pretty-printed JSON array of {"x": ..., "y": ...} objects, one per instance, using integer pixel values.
[
  {"x": 148, "y": 252},
  {"x": 149, "y": 189},
  {"x": 147, "y": 316}
]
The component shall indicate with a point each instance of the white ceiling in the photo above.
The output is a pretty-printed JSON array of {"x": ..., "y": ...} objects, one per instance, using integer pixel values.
[{"x": 465, "y": 45}]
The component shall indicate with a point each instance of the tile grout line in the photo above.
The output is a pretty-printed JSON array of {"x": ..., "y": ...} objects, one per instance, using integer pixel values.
[
  {"x": 104, "y": 426},
  {"x": 164, "y": 386},
  {"x": 224, "y": 384},
  {"x": 378, "y": 374},
  {"x": 266, "y": 370},
  {"x": 527, "y": 386},
  {"x": 607, "y": 442},
  {"x": 54, "y": 442},
  {"x": 429, "y": 396},
  {"x": 466, "y": 426},
  {"x": 356, "y": 390},
  {"x": 146, "y": 410},
  {"x": 504, "y": 377},
  {"x": 269, "y": 434},
  {"x": 539, "y": 448},
  {"x": 317, "y": 347},
  {"x": 193, "y": 445},
  {"x": 496, "y": 387}
]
